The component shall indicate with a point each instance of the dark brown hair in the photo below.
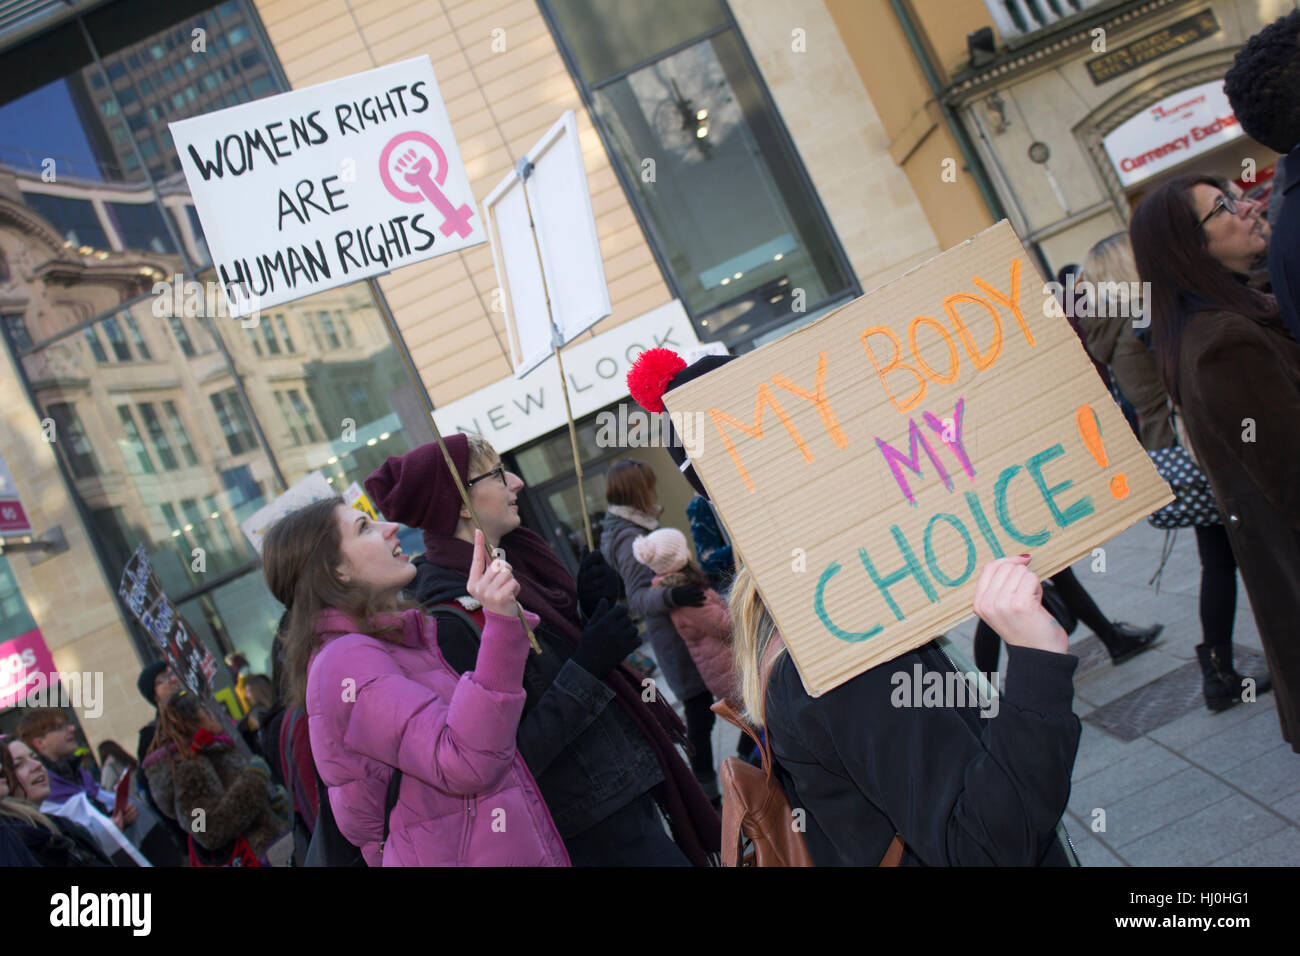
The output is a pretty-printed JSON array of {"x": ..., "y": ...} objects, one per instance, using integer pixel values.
[
  {"x": 178, "y": 720},
  {"x": 299, "y": 559},
  {"x": 631, "y": 483},
  {"x": 39, "y": 721},
  {"x": 1171, "y": 253}
]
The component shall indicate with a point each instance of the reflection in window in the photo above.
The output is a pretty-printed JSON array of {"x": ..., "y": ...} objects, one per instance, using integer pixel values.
[
  {"x": 141, "y": 226},
  {"x": 133, "y": 441},
  {"x": 15, "y": 618},
  {"x": 178, "y": 429},
  {"x": 346, "y": 329},
  {"x": 234, "y": 424},
  {"x": 96, "y": 347},
  {"x": 116, "y": 339},
  {"x": 74, "y": 218},
  {"x": 330, "y": 334},
  {"x": 161, "y": 446},
  {"x": 272, "y": 344},
  {"x": 70, "y": 438},
  {"x": 286, "y": 416},
  {"x": 137, "y": 338},
  {"x": 17, "y": 328},
  {"x": 284, "y": 332},
  {"x": 304, "y": 414},
  {"x": 182, "y": 337}
]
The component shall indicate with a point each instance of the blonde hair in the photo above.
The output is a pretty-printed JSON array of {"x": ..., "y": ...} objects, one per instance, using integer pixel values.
[
  {"x": 752, "y": 632},
  {"x": 481, "y": 453},
  {"x": 16, "y": 809},
  {"x": 1110, "y": 260}
]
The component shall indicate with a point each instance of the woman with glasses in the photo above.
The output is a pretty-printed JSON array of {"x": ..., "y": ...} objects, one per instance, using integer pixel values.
[
  {"x": 602, "y": 749},
  {"x": 1233, "y": 372}
]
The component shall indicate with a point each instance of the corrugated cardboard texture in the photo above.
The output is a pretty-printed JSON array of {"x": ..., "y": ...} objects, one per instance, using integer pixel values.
[{"x": 853, "y": 572}]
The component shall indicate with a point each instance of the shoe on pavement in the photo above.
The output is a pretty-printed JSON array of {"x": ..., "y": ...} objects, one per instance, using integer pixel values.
[{"x": 1132, "y": 641}]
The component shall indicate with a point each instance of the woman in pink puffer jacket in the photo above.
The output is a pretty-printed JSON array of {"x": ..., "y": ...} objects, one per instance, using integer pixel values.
[
  {"x": 379, "y": 696},
  {"x": 705, "y": 630}
]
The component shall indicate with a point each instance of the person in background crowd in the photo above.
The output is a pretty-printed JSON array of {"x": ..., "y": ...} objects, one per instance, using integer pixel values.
[
  {"x": 706, "y": 630},
  {"x": 633, "y": 511},
  {"x": 261, "y": 699},
  {"x": 237, "y": 663},
  {"x": 202, "y": 780},
  {"x": 603, "y": 753},
  {"x": 1233, "y": 372},
  {"x": 286, "y": 743},
  {"x": 157, "y": 683},
  {"x": 1263, "y": 87},
  {"x": 716, "y": 559},
  {"x": 45, "y": 840},
  {"x": 1109, "y": 265},
  {"x": 380, "y": 698},
  {"x": 48, "y": 731},
  {"x": 1109, "y": 328},
  {"x": 957, "y": 787},
  {"x": 114, "y": 762}
]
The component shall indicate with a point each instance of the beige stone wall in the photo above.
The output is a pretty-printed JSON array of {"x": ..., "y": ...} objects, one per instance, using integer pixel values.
[
  {"x": 72, "y": 603},
  {"x": 913, "y": 131},
  {"x": 499, "y": 103},
  {"x": 839, "y": 136}
]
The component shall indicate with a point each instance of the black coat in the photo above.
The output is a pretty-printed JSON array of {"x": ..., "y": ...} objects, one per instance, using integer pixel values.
[
  {"x": 588, "y": 757},
  {"x": 1284, "y": 246},
  {"x": 961, "y": 790}
]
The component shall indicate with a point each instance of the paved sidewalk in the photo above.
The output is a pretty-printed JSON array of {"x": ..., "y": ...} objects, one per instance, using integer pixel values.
[{"x": 1201, "y": 789}]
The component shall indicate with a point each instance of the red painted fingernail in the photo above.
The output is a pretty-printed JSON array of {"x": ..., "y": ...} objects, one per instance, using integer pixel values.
[{"x": 1024, "y": 555}]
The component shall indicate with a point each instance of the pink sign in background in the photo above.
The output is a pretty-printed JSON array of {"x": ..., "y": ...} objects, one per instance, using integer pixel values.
[
  {"x": 12, "y": 517},
  {"x": 20, "y": 658}
]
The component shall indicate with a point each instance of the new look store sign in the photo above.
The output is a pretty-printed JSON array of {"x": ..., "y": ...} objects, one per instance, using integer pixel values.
[
  {"x": 1171, "y": 132},
  {"x": 514, "y": 411}
]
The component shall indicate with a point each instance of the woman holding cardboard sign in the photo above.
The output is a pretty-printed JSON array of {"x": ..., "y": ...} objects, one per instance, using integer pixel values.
[{"x": 1233, "y": 369}]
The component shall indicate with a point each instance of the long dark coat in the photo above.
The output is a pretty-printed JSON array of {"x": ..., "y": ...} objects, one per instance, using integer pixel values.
[{"x": 1240, "y": 395}]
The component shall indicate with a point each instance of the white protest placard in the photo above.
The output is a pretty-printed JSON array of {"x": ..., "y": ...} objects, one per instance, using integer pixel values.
[
  {"x": 329, "y": 184},
  {"x": 560, "y": 203},
  {"x": 314, "y": 487},
  {"x": 869, "y": 464}
]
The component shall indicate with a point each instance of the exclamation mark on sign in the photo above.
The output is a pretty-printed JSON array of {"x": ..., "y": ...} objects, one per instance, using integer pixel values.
[{"x": 1090, "y": 431}]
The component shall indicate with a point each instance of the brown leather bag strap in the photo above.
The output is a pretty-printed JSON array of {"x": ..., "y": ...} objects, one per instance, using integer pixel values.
[{"x": 894, "y": 854}]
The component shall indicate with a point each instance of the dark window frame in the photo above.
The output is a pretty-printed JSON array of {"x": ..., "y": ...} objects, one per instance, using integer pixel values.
[{"x": 630, "y": 192}]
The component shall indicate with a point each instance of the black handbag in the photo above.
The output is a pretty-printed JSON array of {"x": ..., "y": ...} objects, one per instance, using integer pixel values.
[
  {"x": 329, "y": 847},
  {"x": 1194, "y": 505}
]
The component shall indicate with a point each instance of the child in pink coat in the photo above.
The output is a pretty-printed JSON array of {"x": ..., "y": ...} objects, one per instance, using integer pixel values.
[{"x": 705, "y": 630}]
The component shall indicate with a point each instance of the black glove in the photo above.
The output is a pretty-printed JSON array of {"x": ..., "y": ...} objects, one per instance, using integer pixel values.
[
  {"x": 596, "y": 581},
  {"x": 608, "y": 637},
  {"x": 686, "y": 595}
]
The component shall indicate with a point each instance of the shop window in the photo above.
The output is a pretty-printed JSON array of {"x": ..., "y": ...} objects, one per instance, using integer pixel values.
[
  {"x": 233, "y": 421},
  {"x": 178, "y": 429},
  {"x": 108, "y": 107},
  {"x": 75, "y": 219},
  {"x": 730, "y": 210},
  {"x": 15, "y": 618},
  {"x": 134, "y": 443},
  {"x": 72, "y": 441},
  {"x": 237, "y": 35}
]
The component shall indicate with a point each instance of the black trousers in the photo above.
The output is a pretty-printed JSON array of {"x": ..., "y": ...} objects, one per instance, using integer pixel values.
[
  {"x": 1218, "y": 585},
  {"x": 699, "y": 731}
]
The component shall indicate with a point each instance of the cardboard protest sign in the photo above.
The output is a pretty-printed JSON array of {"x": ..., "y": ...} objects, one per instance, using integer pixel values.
[
  {"x": 143, "y": 595},
  {"x": 313, "y": 487},
  {"x": 868, "y": 465},
  {"x": 329, "y": 184},
  {"x": 566, "y": 251}
]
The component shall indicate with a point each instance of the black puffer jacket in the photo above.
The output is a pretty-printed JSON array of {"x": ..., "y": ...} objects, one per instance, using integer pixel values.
[
  {"x": 961, "y": 790},
  {"x": 588, "y": 757}
]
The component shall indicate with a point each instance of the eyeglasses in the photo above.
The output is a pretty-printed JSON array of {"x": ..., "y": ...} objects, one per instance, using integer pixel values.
[
  {"x": 498, "y": 472},
  {"x": 1223, "y": 202}
]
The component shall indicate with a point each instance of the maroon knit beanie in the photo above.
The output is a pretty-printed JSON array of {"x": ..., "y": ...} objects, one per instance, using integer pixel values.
[{"x": 417, "y": 490}]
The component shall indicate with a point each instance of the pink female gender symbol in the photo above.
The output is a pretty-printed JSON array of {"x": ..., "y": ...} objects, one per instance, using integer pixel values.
[{"x": 416, "y": 169}]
